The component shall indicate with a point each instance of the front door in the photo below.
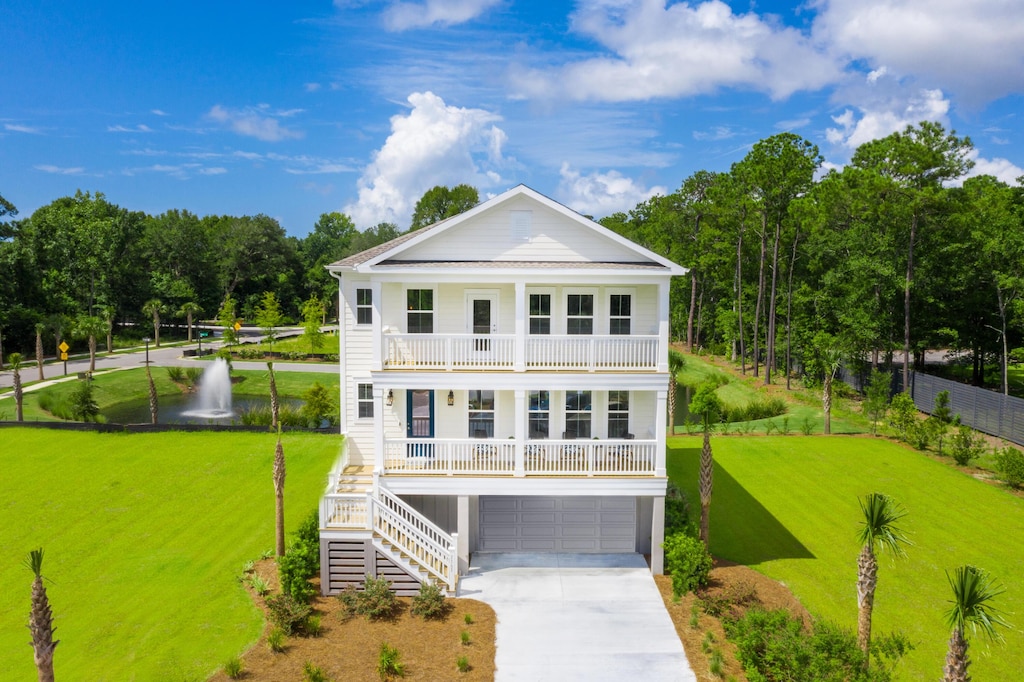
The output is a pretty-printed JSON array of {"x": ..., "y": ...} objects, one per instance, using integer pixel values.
[
  {"x": 482, "y": 318},
  {"x": 419, "y": 421}
]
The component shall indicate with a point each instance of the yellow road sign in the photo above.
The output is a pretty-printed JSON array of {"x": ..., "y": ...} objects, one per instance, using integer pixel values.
[
  {"x": 238, "y": 325},
  {"x": 63, "y": 356},
  {"x": 64, "y": 348}
]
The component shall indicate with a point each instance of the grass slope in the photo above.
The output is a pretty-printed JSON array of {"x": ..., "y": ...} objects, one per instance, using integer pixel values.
[
  {"x": 144, "y": 536},
  {"x": 787, "y": 506}
]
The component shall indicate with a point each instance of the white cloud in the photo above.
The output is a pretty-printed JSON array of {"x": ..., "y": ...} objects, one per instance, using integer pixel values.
[
  {"x": 16, "y": 128},
  {"x": 57, "y": 170},
  {"x": 1002, "y": 169},
  {"x": 715, "y": 134},
  {"x": 311, "y": 87},
  {"x": 401, "y": 16},
  {"x": 256, "y": 122},
  {"x": 973, "y": 49},
  {"x": 158, "y": 112},
  {"x": 601, "y": 194},
  {"x": 878, "y": 120},
  {"x": 680, "y": 50},
  {"x": 793, "y": 124},
  {"x": 215, "y": 170},
  {"x": 434, "y": 144},
  {"x": 141, "y": 128}
]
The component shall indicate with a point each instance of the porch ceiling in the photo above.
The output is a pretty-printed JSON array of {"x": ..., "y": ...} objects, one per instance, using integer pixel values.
[
  {"x": 647, "y": 486},
  {"x": 510, "y": 381}
]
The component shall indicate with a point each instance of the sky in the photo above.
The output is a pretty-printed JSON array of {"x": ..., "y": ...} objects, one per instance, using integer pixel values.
[{"x": 295, "y": 109}]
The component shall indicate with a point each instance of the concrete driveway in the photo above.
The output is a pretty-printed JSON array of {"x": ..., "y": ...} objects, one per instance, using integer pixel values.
[{"x": 577, "y": 617}]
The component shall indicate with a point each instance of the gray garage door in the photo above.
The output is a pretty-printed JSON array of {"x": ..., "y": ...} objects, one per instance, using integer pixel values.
[{"x": 557, "y": 524}]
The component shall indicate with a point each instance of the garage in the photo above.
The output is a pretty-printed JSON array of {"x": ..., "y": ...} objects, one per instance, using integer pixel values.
[{"x": 557, "y": 524}]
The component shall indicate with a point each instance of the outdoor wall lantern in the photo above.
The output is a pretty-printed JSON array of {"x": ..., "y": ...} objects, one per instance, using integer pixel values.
[
  {"x": 451, "y": 398},
  {"x": 391, "y": 397}
]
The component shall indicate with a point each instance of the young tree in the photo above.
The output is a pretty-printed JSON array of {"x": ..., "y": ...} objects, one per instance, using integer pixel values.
[
  {"x": 973, "y": 593},
  {"x": 707, "y": 404},
  {"x": 40, "y": 327},
  {"x": 154, "y": 307},
  {"x": 941, "y": 417},
  {"x": 14, "y": 360},
  {"x": 40, "y": 620},
  {"x": 226, "y": 316},
  {"x": 106, "y": 313},
  {"x": 90, "y": 327},
  {"x": 279, "y": 474},
  {"x": 312, "y": 317},
  {"x": 189, "y": 309},
  {"x": 268, "y": 316},
  {"x": 876, "y": 398},
  {"x": 676, "y": 362},
  {"x": 878, "y": 528},
  {"x": 828, "y": 357}
]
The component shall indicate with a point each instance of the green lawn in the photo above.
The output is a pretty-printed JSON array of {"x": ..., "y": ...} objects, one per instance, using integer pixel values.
[
  {"x": 296, "y": 344},
  {"x": 144, "y": 536},
  {"x": 787, "y": 506}
]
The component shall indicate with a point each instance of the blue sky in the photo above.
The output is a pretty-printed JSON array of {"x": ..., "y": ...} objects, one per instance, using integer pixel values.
[{"x": 294, "y": 109}]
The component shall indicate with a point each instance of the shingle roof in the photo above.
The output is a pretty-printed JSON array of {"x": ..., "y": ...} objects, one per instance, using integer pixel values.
[
  {"x": 559, "y": 265},
  {"x": 374, "y": 251}
]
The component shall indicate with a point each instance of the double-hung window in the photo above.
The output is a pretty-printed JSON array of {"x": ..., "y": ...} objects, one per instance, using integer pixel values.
[
  {"x": 481, "y": 414},
  {"x": 364, "y": 401},
  {"x": 577, "y": 414},
  {"x": 619, "y": 313},
  {"x": 579, "y": 314},
  {"x": 540, "y": 414},
  {"x": 618, "y": 414},
  {"x": 540, "y": 313},
  {"x": 420, "y": 311},
  {"x": 364, "y": 306}
]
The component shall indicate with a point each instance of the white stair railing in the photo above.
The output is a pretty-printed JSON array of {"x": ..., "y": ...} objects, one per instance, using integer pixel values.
[{"x": 415, "y": 536}]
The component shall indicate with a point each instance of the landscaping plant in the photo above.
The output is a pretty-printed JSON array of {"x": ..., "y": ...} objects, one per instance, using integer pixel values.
[
  {"x": 876, "y": 398},
  {"x": 276, "y": 640},
  {"x": 313, "y": 673},
  {"x": 462, "y": 664},
  {"x": 708, "y": 406},
  {"x": 40, "y": 620},
  {"x": 973, "y": 593},
  {"x": 688, "y": 562},
  {"x": 1010, "y": 465},
  {"x": 878, "y": 529},
  {"x": 302, "y": 560},
  {"x": 279, "y": 474},
  {"x": 14, "y": 360},
  {"x": 389, "y": 663},
  {"x": 966, "y": 445},
  {"x": 430, "y": 602},
  {"x": 287, "y": 613},
  {"x": 233, "y": 668}
]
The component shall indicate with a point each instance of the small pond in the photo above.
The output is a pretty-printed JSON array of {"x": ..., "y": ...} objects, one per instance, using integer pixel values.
[{"x": 171, "y": 409}]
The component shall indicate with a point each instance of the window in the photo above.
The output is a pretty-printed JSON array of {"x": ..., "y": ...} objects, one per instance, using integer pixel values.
[
  {"x": 620, "y": 306},
  {"x": 481, "y": 414},
  {"x": 364, "y": 306},
  {"x": 577, "y": 414},
  {"x": 540, "y": 313},
  {"x": 579, "y": 314},
  {"x": 618, "y": 414},
  {"x": 540, "y": 414},
  {"x": 420, "y": 311},
  {"x": 364, "y": 401}
]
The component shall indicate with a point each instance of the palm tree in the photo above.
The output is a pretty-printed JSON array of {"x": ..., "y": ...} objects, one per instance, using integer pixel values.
[
  {"x": 830, "y": 359},
  {"x": 188, "y": 310},
  {"x": 90, "y": 327},
  {"x": 58, "y": 324},
  {"x": 40, "y": 328},
  {"x": 154, "y": 307},
  {"x": 40, "y": 620},
  {"x": 973, "y": 592},
  {"x": 275, "y": 404},
  {"x": 14, "y": 360},
  {"x": 153, "y": 405},
  {"x": 107, "y": 313},
  {"x": 279, "y": 494},
  {"x": 879, "y": 529},
  {"x": 676, "y": 362},
  {"x": 706, "y": 403}
]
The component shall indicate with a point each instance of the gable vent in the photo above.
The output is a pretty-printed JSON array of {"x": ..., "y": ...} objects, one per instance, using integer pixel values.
[{"x": 521, "y": 223}]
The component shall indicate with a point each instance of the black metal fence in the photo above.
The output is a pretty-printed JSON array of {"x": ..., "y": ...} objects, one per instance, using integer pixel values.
[{"x": 986, "y": 411}]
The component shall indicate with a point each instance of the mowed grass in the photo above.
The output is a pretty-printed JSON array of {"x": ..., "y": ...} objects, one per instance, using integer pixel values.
[
  {"x": 144, "y": 536},
  {"x": 788, "y": 507}
]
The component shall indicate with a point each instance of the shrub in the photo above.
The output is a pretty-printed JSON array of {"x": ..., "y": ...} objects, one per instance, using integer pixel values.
[
  {"x": 319, "y": 407},
  {"x": 389, "y": 663},
  {"x": 259, "y": 585},
  {"x": 903, "y": 415},
  {"x": 193, "y": 374},
  {"x": 464, "y": 637},
  {"x": 233, "y": 668},
  {"x": 302, "y": 561},
  {"x": 82, "y": 403},
  {"x": 716, "y": 664},
  {"x": 688, "y": 561},
  {"x": 462, "y": 664},
  {"x": 1010, "y": 465},
  {"x": 176, "y": 374},
  {"x": 758, "y": 408},
  {"x": 312, "y": 626},
  {"x": 468, "y": 618},
  {"x": 275, "y": 640},
  {"x": 430, "y": 602},
  {"x": 376, "y": 601},
  {"x": 313, "y": 673},
  {"x": 966, "y": 445},
  {"x": 677, "y": 511},
  {"x": 807, "y": 426},
  {"x": 287, "y": 613}
]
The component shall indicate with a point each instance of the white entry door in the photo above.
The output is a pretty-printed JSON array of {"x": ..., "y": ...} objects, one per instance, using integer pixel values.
[
  {"x": 482, "y": 318},
  {"x": 557, "y": 524}
]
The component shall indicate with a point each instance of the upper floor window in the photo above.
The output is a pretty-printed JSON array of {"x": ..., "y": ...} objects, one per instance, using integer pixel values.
[
  {"x": 618, "y": 414},
  {"x": 364, "y": 306},
  {"x": 619, "y": 314},
  {"x": 579, "y": 316},
  {"x": 540, "y": 414},
  {"x": 481, "y": 414},
  {"x": 364, "y": 401},
  {"x": 540, "y": 313},
  {"x": 420, "y": 307}
]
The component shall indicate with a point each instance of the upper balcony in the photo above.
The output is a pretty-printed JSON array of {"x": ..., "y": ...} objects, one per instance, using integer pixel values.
[{"x": 497, "y": 352}]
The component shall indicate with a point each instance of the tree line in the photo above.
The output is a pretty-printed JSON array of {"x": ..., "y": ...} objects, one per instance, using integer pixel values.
[
  {"x": 881, "y": 260},
  {"x": 81, "y": 266}
]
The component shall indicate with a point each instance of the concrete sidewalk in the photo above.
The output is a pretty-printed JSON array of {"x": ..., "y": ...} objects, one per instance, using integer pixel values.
[{"x": 587, "y": 617}]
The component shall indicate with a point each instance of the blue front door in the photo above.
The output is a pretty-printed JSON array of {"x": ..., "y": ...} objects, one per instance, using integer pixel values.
[{"x": 419, "y": 421}]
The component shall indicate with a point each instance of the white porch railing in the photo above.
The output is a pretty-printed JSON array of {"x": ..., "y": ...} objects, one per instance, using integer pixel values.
[
  {"x": 592, "y": 352},
  {"x": 498, "y": 352},
  {"x": 344, "y": 510},
  {"x": 496, "y": 457},
  {"x": 449, "y": 351},
  {"x": 415, "y": 536}
]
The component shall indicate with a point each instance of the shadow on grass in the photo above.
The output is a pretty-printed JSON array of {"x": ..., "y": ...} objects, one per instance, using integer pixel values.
[{"x": 742, "y": 529}]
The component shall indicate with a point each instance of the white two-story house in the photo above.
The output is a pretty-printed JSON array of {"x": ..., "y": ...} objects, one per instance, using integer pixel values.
[{"x": 504, "y": 377}]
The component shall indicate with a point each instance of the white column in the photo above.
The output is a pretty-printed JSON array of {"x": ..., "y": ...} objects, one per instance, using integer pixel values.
[
  {"x": 378, "y": 429},
  {"x": 343, "y": 386},
  {"x": 663, "y": 317},
  {"x": 462, "y": 525},
  {"x": 520, "y": 358},
  {"x": 520, "y": 433},
  {"x": 378, "y": 335},
  {"x": 658, "y": 536},
  {"x": 660, "y": 427}
]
